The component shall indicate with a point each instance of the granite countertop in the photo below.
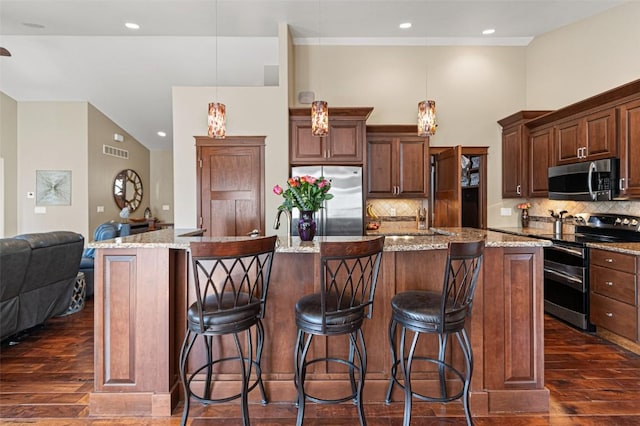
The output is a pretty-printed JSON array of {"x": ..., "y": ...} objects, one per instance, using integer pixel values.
[
  {"x": 437, "y": 238},
  {"x": 628, "y": 248}
]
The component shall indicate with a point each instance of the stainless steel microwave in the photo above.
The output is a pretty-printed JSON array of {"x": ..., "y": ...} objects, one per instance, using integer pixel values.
[{"x": 586, "y": 181}]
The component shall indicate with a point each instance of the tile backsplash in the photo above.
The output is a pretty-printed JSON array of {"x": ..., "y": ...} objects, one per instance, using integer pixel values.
[
  {"x": 403, "y": 208},
  {"x": 541, "y": 207}
]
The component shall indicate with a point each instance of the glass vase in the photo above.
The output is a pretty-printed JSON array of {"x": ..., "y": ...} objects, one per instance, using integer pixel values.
[
  {"x": 307, "y": 225},
  {"x": 525, "y": 218}
]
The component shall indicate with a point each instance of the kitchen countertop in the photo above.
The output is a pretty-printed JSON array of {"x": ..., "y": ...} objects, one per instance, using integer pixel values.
[
  {"x": 432, "y": 239},
  {"x": 628, "y": 248}
]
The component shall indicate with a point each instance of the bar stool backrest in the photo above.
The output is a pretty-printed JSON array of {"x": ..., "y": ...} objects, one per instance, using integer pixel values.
[
  {"x": 231, "y": 275},
  {"x": 464, "y": 260},
  {"x": 348, "y": 277}
]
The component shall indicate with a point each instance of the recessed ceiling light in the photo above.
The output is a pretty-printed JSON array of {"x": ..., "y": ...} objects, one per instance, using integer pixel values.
[
  {"x": 488, "y": 31},
  {"x": 405, "y": 25},
  {"x": 132, "y": 26},
  {"x": 162, "y": 134}
]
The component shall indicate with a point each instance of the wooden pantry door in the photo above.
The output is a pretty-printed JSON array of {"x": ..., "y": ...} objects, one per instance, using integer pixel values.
[{"x": 230, "y": 185}]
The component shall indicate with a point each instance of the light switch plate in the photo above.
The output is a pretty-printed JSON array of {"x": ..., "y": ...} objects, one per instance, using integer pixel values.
[
  {"x": 40, "y": 210},
  {"x": 100, "y": 209},
  {"x": 165, "y": 207},
  {"x": 505, "y": 211}
]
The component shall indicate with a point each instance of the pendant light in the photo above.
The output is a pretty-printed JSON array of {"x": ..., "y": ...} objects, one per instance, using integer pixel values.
[
  {"x": 319, "y": 109},
  {"x": 427, "y": 118},
  {"x": 217, "y": 115},
  {"x": 427, "y": 109}
]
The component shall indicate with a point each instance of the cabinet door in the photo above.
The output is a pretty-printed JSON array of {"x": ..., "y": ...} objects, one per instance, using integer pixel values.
[
  {"x": 601, "y": 134},
  {"x": 397, "y": 165},
  {"x": 413, "y": 167},
  {"x": 512, "y": 163},
  {"x": 381, "y": 166},
  {"x": 303, "y": 146},
  {"x": 629, "y": 149},
  {"x": 540, "y": 158},
  {"x": 344, "y": 142},
  {"x": 447, "y": 209},
  {"x": 570, "y": 142}
]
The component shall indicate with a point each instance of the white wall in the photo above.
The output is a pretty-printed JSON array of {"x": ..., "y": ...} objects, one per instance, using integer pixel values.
[
  {"x": 160, "y": 188},
  {"x": 251, "y": 111},
  {"x": 9, "y": 166},
  {"x": 473, "y": 87},
  {"x": 52, "y": 136},
  {"x": 104, "y": 168},
  {"x": 584, "y": 59}
]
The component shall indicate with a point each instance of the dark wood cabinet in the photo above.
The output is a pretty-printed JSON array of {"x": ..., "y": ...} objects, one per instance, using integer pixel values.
[
  {"x": 613, "y": 304},
  {"x": 540, "y": 158},
  {"x": 587, "y": 138},
  {"x": 515, "y": 154},
  {"x": 344, "y": 144},
  {"x": 397, "y": 162},
  {"x": 629, "y": 149}
]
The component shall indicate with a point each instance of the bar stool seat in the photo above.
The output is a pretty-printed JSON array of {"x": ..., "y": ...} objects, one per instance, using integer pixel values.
[
  {"x": 443, "y": 313},
  {"x": 231, "y": 283},
  {"x": 349, "y": 273}
]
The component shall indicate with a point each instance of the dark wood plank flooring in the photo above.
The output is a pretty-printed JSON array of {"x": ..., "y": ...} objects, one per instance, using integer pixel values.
[{"x": 46, "y": 378}]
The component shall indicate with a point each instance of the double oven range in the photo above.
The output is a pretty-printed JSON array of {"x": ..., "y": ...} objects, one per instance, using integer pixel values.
[{"x": 566, "y": 264}]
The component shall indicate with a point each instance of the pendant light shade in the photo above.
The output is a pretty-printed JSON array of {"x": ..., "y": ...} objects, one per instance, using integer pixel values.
[
  {"x": 319, "y": 118},
  {"x": 427, "y": 118},
  {"x": 217, "y": 120}
]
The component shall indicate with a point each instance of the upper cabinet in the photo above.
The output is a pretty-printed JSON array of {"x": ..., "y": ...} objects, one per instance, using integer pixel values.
[
  {"x": 397, "y": 162},
  {"x": 344, "y": 144},
  {"x": 587, "y": 138},
  {"x": 516, "y": 148},
  {"x": 629, "y": 134},
  {"x": 606, "y": 125}
]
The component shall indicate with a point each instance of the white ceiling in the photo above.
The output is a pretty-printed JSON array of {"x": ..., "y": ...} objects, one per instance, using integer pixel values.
[{"x": 79, "y": 50}]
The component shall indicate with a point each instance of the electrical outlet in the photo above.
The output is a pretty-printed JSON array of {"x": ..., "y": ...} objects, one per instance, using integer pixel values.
[
  {"x": 165, "y": 207},
  {"x": 100, "y": 209},
  {"x": 505, "y": 211},
  {"x": 40, "y": 210},
  {"x": 392, "y": 212}
]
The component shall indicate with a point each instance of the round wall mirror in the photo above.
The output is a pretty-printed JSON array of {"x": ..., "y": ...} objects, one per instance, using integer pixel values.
[{"x": 127, "y": 190}]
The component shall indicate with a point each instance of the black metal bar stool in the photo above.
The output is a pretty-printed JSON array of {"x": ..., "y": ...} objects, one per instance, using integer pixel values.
[
  {"x": 443, "y": 313},
  {"x": 349, "y": 272},
  {"x": 231, "y": 280}
]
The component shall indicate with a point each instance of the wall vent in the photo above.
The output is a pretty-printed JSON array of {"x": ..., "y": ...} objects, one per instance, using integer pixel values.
[{"x": 115, "y": 152}]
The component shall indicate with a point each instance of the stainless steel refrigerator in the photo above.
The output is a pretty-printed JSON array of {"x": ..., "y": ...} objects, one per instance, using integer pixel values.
[{"x": 342, "y": 215}]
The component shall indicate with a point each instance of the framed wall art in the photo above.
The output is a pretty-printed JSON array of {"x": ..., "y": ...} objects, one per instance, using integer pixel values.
[{"x": 53, "y": 187}]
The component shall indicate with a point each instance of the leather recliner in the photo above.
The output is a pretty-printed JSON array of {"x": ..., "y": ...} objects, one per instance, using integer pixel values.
[{"x": 37, "y": 279}]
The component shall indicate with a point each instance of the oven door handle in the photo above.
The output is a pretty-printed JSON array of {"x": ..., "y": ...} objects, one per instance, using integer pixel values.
[
  {"x": 568, "y": 279},
  {"x": 574, "y": 252}
]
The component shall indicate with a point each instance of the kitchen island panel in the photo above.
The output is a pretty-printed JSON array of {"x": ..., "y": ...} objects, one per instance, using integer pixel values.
[{"x": 507, "y": 340}]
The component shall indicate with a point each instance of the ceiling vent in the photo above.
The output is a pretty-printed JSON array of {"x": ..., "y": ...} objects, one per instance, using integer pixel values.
[{"x": 115, "y": 152}]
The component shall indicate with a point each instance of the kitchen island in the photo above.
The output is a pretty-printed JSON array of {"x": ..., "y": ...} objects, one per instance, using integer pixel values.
[{"x": 142, "y": 290}]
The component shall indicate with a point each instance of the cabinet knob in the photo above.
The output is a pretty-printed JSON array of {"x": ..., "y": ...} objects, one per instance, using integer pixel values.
[
  {"x": 609, "y": 314},
  {"x": 608, "y": 260}
]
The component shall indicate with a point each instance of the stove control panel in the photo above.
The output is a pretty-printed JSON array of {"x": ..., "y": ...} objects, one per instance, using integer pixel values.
[{"x": 614, "y": 221}]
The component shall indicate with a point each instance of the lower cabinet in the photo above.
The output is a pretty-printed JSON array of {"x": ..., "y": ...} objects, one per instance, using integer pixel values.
[{"x": 614, "y": 300}]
